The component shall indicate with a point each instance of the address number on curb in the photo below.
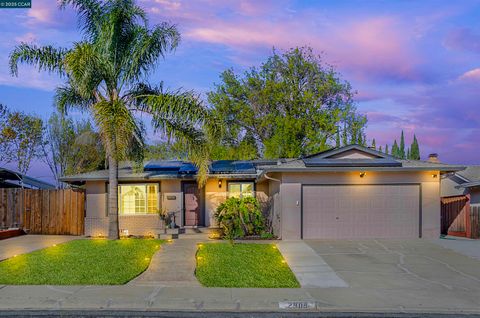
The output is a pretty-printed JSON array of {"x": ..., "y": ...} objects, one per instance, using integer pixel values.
[{"x": 296, "y": 305}]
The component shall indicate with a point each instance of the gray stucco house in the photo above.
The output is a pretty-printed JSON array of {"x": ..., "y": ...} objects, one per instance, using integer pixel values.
[{"x": 346, "y": 193}]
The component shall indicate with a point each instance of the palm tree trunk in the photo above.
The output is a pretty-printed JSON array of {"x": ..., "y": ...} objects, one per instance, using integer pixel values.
[{"x": 113, "y": 229}]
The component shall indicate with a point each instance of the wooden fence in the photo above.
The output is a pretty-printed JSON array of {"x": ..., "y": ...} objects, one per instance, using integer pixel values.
[
  {"x": 43, "y": 211},
  {"x": 458, "y": 218}
]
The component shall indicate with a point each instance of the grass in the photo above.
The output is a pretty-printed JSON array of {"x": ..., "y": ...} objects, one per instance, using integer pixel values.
[
  {"x": 81, "y": 262},
  {"x": 243, "y": 265}
]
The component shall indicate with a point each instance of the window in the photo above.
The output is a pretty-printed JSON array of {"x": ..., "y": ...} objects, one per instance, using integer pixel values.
[
  {"x": 138, "y": 198},
  {"x": 240, "y": 189}
]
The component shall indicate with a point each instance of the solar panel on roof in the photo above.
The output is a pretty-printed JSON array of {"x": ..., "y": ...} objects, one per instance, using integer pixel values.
[
  {"x": 232, "y": 166},
  {"x": 163, "y": 165}
]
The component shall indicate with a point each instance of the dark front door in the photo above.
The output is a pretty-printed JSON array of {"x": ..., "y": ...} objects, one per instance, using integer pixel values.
[{"x": 192, "y": 204}]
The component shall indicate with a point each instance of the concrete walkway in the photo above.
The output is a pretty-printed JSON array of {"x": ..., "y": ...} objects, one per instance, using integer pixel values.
[
  {"x": 173, "y": 265},
  {"x": 309, "y": 268},
  {"x": 29, "y": 243}
]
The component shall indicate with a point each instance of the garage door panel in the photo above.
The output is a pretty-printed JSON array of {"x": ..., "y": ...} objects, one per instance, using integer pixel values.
[{"x": 360, "y": 211}]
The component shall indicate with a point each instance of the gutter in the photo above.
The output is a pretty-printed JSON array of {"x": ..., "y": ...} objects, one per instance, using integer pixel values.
[{"x": 342, "y": 169}]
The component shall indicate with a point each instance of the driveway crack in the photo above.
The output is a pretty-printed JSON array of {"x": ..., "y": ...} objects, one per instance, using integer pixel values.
[{"x": 401, "y": 264}]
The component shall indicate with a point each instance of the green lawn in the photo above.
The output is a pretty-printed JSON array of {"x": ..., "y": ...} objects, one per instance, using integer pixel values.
[
  {"x": 81, "y": 262},
  {"x": 243, "y": 265}
]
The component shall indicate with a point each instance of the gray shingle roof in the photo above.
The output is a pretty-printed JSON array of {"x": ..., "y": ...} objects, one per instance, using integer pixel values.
[{"x": 177, "y": 169}]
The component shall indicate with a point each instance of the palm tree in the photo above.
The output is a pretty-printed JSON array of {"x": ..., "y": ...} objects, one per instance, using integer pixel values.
[{"x": 105, "y": 75}]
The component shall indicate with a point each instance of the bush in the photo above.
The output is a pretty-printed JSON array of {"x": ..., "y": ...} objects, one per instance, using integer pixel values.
[{"x": 240, "y": 217}]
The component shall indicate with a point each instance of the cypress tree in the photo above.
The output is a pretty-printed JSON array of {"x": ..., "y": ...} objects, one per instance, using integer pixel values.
[
  {"x": 415, "y": 150},
  {"x": 395, "y": 150},
  {"x": 373, "y": 144},
  {"x": 386, "y": 149},
  {"x": 380, "y": 149},
  {"x": 401, "y": 149}
]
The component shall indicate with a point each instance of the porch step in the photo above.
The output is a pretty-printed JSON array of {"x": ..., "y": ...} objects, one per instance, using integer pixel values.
[{"x": 168, "y": 236}]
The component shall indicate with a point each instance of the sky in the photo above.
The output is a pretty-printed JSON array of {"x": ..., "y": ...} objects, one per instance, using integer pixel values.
[{"x": 415, "y": 65}]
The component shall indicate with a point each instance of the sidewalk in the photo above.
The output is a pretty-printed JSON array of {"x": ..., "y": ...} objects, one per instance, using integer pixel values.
[{"x": 150, "y": 298}]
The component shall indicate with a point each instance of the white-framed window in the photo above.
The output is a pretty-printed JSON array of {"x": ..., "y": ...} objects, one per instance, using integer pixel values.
[
  {"x": 138, "y": 198},
  {"x": 240, "y": 189}
]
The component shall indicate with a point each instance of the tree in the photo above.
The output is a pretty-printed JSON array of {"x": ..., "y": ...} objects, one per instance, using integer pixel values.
[
  {"x": 71, "y": 147},
  {"x": 401, "y": 149},
  {"x": 4, "y": 145},
  {"x": 292, "y": 105},
  {"x": 386, "y": 149},
  {"x": 105, "y": 76},
  {"x": 414, "y": 149},
  {"x": 374, "y": 146},
  {"x": 21, "y": 139},
  {"x": 395, "y": 150},
  {"x": 380, "y": 149},
  {"x": 408, "y": 153}
]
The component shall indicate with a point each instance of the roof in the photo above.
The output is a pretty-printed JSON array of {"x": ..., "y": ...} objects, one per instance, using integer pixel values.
[
  {"x": 373, "y": 160},
  {"x": 349, "y": 158},
  {"x": 13, "y": 179},
  {"x": 468, "y": 178},
  {"x": 170, "y": 169}
]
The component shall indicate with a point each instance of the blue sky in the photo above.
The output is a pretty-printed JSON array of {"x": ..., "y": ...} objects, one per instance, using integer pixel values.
[{"x": 415, "y": 64}]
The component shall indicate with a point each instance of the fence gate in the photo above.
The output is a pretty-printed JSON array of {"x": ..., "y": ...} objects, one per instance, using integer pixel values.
[
  {"x": 455, "y": 216},
  {"x": 43, "y": 211}
]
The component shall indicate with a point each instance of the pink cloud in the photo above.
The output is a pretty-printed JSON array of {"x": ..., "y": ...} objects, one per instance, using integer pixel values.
[{"x": 472, "y": 75}]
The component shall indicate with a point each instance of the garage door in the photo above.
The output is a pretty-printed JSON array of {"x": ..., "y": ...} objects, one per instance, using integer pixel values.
[{"x": 361, "y": 211}]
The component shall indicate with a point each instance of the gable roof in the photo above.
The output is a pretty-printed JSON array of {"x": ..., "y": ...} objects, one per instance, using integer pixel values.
[
  {"x": 336, "y": 151},
  {"x": 355, "y": 156}
]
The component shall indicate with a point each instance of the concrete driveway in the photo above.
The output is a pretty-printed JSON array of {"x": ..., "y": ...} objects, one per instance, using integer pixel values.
[
  {"x": 404, "y": 273},
  {"x": 29, "y": 243}
]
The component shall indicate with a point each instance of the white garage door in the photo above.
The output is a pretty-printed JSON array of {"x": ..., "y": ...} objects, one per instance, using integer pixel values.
[{"x": 361, "y": 211}]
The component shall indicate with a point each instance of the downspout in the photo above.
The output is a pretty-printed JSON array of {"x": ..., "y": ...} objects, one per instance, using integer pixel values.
[{"x": 270, "y": 178}]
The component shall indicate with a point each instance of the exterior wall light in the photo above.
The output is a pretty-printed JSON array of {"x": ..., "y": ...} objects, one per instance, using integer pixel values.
[
  {"x": 434, "y": 175},
  {"x": 220, "y": 183},
  {"x": 362, "y": 174}
]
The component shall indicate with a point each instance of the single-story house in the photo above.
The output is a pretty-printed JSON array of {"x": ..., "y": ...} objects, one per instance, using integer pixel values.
[
  {"x": 13, "y": 179},
  {"x": 345, "y": 193},
  {"x": 464, "y": 182}
]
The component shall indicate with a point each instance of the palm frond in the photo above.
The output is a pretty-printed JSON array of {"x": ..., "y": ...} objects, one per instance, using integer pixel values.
[
  {"x": 89, "y": 14},
  {"x": 85, "y": 69},
  {"x": 46, "y": 58},
  {"x": 67, "y": 97},
  {"x": 146, "y": 47}
]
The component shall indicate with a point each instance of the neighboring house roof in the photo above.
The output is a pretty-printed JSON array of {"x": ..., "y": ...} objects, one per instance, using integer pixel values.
[
  {"x": 13, "y": 179},
  {"x": 468, "y": 178},
  {"x": 349, "y": 158}
]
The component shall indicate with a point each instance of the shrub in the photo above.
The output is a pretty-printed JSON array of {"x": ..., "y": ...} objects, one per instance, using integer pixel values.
[{"x": 240, "y": 217}]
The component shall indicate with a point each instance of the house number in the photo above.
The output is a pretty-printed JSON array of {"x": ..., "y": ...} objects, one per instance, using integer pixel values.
[{"x": 296, "y": 305}]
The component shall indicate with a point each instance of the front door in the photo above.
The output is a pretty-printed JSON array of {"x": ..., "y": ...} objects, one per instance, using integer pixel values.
[{"x": 192, "y": 204}]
